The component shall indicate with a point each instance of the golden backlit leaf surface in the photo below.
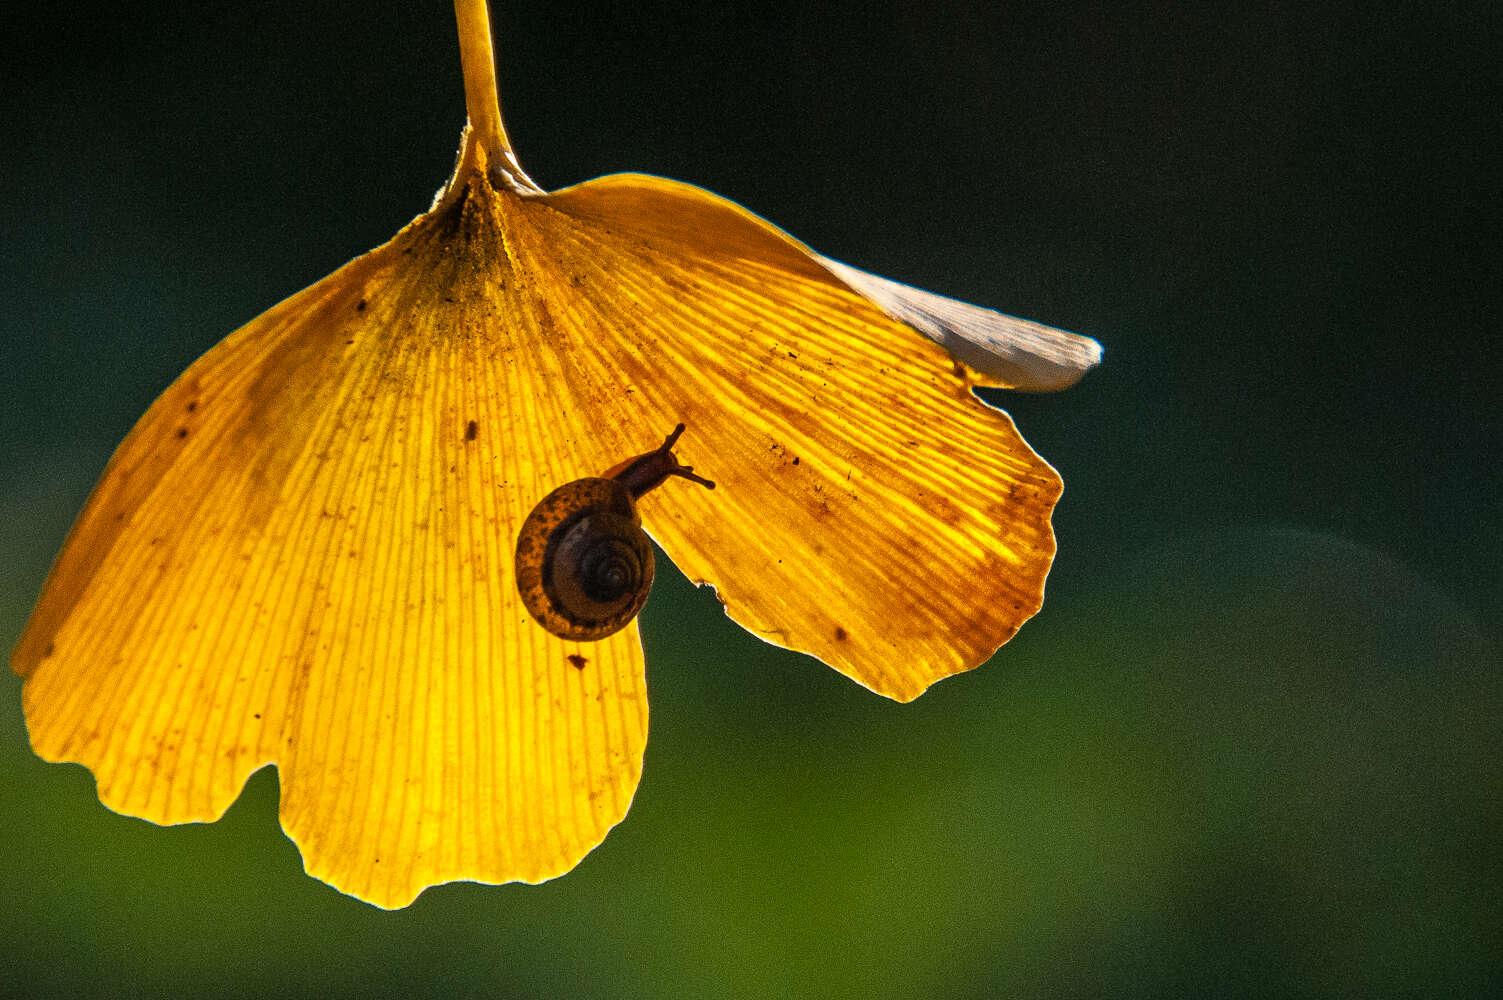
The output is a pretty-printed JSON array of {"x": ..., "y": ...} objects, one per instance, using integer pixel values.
[{"x": 302, "y": 554}]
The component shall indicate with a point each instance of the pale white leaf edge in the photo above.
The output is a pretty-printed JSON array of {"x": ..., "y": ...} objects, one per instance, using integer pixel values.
[{"x": 1025, "y": 355}]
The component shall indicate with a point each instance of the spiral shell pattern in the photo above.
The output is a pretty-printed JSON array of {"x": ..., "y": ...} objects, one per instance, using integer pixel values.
[{"x": 584, "y": 565}]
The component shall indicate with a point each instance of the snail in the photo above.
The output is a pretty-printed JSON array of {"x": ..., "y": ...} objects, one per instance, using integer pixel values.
[{"x": 584, "y": 564}]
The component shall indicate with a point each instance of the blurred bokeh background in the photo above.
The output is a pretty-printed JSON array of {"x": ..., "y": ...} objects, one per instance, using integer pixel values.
[{"x": 1250, "y": 746}]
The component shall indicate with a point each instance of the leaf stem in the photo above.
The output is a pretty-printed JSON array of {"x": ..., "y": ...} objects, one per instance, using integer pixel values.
[{"x": 485, "y": 146}]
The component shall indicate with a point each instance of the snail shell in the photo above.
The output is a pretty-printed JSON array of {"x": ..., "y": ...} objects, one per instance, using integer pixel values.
[{"x": 584, "y": 564}]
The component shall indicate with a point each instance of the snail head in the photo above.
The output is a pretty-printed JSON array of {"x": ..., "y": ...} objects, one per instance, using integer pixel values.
[{"x": 647, "y": 472}]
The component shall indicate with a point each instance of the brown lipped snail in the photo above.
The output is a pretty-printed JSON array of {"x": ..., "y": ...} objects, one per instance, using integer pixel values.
[{"x": 584, "y": 564}]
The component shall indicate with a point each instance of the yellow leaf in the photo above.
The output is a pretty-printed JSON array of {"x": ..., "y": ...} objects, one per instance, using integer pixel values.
[{"x": 303, "y": 553}]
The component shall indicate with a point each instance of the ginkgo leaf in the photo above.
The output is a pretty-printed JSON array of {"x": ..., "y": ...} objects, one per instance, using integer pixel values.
[
  {"x": 872, "y": 510},
  {"x": 302, "y": 555},
  {"x": 303, "y": 552}
]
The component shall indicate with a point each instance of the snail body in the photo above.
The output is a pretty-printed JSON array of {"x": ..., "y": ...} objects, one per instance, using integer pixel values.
[{"x": 584, "y": 565}]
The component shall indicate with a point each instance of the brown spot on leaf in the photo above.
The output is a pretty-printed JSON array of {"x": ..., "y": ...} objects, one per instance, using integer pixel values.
[
  {"x": 192, "y": 405},
  {"x": 51, "y": 648},
  {"x": 470, "y": 430},
  {"x": 577, "y": 660},
  {"x": 946, "y": 510},
  {"x": 360, "y": 306},
  {"x": 840, "y": 634},
  {"x": 182, "y": 432}
]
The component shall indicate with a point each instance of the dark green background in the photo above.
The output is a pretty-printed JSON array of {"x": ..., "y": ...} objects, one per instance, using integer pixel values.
[{"x": 1250, "y": 746}]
